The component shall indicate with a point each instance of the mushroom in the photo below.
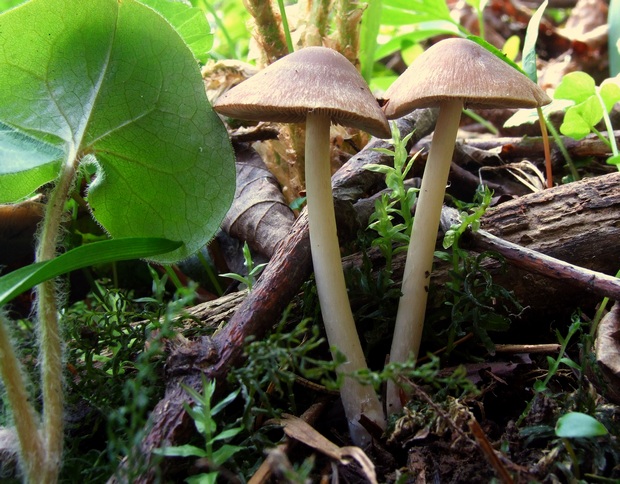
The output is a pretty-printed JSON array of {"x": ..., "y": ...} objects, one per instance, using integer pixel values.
[
  {"x": 319, "y": 85},
  {"x": 450, "y": 75}
]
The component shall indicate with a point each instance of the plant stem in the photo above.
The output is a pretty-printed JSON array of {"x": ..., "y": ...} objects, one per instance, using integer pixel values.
[
  {"x": 31, "y": 445},
  {"x": 573, "y": 457},
  {"x": 609, "y": 128},
  {"x": 348, "y": 17},
  {"x": 418, "y": 267},
  {"x": 480, "y": 14},
  {"x": 559, "y": 143},
  {"x": 50, "y": 342},
  {"x": 285, "y": 27},
  {"x": 479, "y": 119},
  {"x": 317, "y": 24},
  {"x": 268, "y": 33},
  {"x": 545, "y": 137},
  {"x": 340, "y": 327}
]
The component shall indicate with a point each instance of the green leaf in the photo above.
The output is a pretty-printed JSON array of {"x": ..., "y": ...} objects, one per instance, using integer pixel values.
[
  {"x": 20, "y": 280},
  {"x": 186, "y": 450},
  {"x": 206, "y": 478},
  {"x": 115, "y": 80},
  {"x": 570, "y": 363},
  {"x": 407, "y": 12},
  {"x": 529, "y": 43},
  {"x": 576, "y": 424},
  {"x": 384, "y": 169},
  {"x": 614, "y": 160},
  {"x": 227, "y": 434},
  {"x": 190, "y": 22},
  {"x": 576, "y": 86},
  {"x": 224, "y": 402},
  {"x": 6, "y": 4},
  {"x": 511, "y": 47},
  {"x": 530, "y": 116},
  {"x": 225, "y": 452},
  {"x": 610, "y": 92},
  {"x": 369, "y": 30},
  {"x": 580, "y": 118},
  {"x": 20, "y": 153}
]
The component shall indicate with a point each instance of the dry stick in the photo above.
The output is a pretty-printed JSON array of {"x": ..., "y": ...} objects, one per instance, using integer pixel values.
[
  {"x": 281, "y": 280},
  {"x": 513, "y": 349},
  {"x": 511, "y": 148},
  {"x": 489, "y": 452},
  {"x": 533, "y": 261}
]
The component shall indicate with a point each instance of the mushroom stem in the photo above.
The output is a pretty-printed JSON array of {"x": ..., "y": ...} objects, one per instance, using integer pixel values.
[
  {"x": 416, "y": 278},
  {"x": 340, "y": 327}
]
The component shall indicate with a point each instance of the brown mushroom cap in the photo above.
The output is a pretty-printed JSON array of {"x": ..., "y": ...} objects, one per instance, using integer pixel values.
[
  {"x": 311, "y": 79},
  {"x": 461, "y": 69}
]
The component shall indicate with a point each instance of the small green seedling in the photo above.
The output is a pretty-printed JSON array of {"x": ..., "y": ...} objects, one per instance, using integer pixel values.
[
  {"x": 541, "y": 386},
  {"x": 253, "y": 270},
  {"x": 577, "y": 425},
  {"x": 392, "y": 219},
  {"x": 203, "y": 412},
  {"x": 591, "y": 105}
]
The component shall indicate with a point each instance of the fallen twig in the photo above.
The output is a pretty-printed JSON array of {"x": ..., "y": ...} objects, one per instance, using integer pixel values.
[{"x": 533, "y": 261}]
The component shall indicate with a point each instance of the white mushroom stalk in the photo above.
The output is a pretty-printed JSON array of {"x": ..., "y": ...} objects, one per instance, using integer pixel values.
[
  {"x": 418, "y": 266},
  {"x": 450, "y": 74},
  {"x": 357, "y": 399}
]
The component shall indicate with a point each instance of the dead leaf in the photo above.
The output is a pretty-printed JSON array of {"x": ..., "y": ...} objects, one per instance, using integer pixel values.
[
  {"x": 607, "y": 348},
  {"x": 259, "y": 214},
  {"x": 297, "y": 429}
]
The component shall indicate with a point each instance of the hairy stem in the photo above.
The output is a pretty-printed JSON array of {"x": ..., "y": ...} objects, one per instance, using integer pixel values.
[
  {"x": 316, "y": 13},
  {"x": 346, "y": 35},
  {"x": 268, "y": 32},
  {"x": 50, "y": 341},
  {"x": 24, "y": 415}
]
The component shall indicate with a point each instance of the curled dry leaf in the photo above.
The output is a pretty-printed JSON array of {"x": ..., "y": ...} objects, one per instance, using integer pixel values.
[
  {"x": 220, "y": 76},
  {"x": 297, "y": 429},
  {"x": 259, "y": 214},
  {"x": 608, "y": 352}
]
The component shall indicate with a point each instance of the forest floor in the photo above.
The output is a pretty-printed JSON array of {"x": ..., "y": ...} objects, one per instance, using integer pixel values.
[{"x": 518, "y": 345}]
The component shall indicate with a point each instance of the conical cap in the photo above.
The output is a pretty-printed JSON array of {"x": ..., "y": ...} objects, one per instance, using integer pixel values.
[
  {"x": 310, "y": 79},
  {"x": 461, "y": 69}
]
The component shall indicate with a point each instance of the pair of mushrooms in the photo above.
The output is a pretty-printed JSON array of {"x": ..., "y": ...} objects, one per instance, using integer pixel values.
[{"x": 319, "y": 86}]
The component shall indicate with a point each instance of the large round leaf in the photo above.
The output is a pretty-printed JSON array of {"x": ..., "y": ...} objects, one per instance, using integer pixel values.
[{"x": 115, "y": 80}]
